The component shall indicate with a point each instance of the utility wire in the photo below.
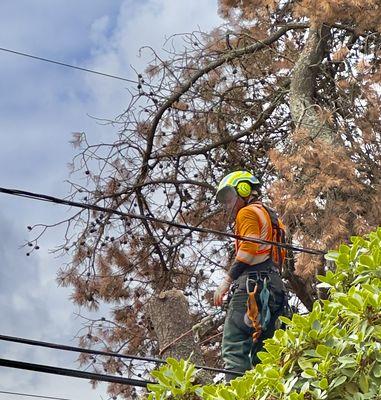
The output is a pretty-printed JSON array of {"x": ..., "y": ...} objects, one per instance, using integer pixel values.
[
  {"x": 57, "y": 346},
  {"x": 51, "y": 199},
  {"x": 49, "y": 369},
  {"x": 19, "y": 53},
  {"x": 32, "y": 395}
]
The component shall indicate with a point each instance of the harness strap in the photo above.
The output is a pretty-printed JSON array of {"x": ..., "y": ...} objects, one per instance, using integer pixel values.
[
  {"x": 253, "y": 313},
  {"x": 259, "y": 319},
  {"x": 265, "y": 310}
]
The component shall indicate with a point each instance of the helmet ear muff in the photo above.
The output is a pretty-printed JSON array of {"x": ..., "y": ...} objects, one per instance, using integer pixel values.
[{"x": 244, "y": 189}]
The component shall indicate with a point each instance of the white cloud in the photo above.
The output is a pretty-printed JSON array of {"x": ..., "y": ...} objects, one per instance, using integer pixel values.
[
  {"x": 146, "y": 23},
  {"x": 99, "y": 31}
]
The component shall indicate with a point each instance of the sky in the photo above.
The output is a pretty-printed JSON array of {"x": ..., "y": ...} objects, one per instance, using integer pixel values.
[{"x": 41, "y": 105}]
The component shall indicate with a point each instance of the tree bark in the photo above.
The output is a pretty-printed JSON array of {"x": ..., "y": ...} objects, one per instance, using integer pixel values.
[
  {"x": 170, "y": 317},
  {"x": 304, "y": 109}
]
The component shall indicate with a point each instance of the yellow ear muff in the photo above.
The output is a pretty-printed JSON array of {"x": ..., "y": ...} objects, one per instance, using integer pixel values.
[{"x": 243, "y": 189}]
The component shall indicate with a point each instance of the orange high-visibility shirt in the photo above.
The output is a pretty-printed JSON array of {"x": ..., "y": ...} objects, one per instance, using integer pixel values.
[{"x": 253, "y": 221}]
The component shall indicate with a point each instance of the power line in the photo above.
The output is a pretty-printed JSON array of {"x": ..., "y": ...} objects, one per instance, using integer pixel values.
[
  {"x": 49, "y": 369},
  {"x": 19, "y": 53},
  {"x": 57, "y": 346},
  {"x": 32, "y": 395},
  {"x": 52, "y": 199}
]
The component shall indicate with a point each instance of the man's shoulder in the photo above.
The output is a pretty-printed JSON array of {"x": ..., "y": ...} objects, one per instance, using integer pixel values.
[
  {"x": 255, "y": 210},
  {"x": 251, "y": 210}
]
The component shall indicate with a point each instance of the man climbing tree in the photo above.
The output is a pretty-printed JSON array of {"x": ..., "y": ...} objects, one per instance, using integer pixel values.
[{"x": 259, "y": 295}]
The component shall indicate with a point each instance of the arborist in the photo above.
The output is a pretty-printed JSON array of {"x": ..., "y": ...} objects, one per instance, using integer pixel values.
[{"x": 258, "y": 293}]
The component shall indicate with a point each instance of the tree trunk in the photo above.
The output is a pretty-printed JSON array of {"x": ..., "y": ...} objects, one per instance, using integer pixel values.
[
  {"x": 305, "y": 115},
  {"x": 303, "y": 107},
  {"x": 170, "y": 317}
]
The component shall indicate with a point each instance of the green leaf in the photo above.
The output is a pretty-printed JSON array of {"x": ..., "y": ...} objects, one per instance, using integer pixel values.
[
  {"x": 343, "y": 248},
  {"x": 349, "y": 372},
  {"x": 355, "y": 303},
  {"x": 296, "y": 396},
  {"x": 272, "y": 373},
  {"x": 310, "y": 353},
  {"x": 377, "y": 370},
  {"x": 364, "y": 383},
  {"x": 351, "y": 387},
  {"x": 367, "y": 260},
  {"x": 347, "y": 360},
  {"x": 378, "y": 232},
  {"x": 240, "y": 387},
  {"x": 343, "y": 259},
  {"x": 337, "y": 382},
  {"x": 316, "y": 325},
  {"x": 324, "y": 285},
  {"x": 264, "y": 356},
  {"x": 305, "y": 387},
  {"x": 285, "y": 320},
  {"x": 226, "y": 394},
  {"x": 304, "y": 363},
  {"x": 323, "y": 384},
  {"x": 377, "y": 334},
  {"x": 280, "y": 387},
  {"x": 290, "y": 384},
  {"x": 299, "y": 320},
  {"x": 329, "y": 278},
  {"x": 313, "y": 334},
  {"x": 322, "y": 350},
  {"x": 332, "y": 255},
  {"x": 309, "y": 373}
]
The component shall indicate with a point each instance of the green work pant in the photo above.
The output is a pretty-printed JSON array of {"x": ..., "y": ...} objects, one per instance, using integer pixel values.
[{"x": 239, "y": 352}]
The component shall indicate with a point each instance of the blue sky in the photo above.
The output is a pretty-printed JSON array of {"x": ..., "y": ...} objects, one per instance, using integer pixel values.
[{"x": 40, "y": 106}]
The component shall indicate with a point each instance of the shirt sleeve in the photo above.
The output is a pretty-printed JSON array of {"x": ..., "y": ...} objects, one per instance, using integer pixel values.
[{"x": 247, "y": 225}]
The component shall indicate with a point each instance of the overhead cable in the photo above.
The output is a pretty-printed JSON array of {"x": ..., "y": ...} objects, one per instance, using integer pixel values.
[
  {"x": 19, "y": 53},
  {"x": 32, "y": 395},
  {"x": 49, "y": 369},
  {"x": 51, "y": 199},
  {"x": 57, "y": 346}
]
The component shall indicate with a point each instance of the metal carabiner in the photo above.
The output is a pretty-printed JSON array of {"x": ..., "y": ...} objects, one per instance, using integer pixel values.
[{"x": 248, "y": 280}]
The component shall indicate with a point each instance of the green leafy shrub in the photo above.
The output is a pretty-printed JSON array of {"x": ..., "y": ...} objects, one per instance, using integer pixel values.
[
  {"x": 175, "y": 381},
  {"x": 334, "y": 352}
]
